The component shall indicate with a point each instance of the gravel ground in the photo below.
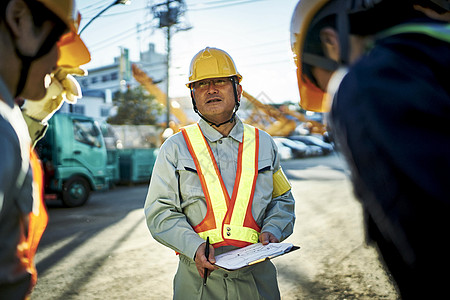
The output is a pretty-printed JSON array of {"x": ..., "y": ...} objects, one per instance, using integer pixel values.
[{"x": 104, "y": 251}]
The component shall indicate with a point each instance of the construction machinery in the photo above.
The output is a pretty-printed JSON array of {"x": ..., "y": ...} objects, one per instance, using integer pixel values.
[
  {"x": 268, "y": 118},
  {"x": 314, "y": 127},
  {"x": 279, "y": 122},
  {"x": 276, "y": 122},
  {"x": 175, "y": 108}
]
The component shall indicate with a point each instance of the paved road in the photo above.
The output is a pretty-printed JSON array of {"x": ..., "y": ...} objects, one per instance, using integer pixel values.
[{"x": 103, "y": 250}]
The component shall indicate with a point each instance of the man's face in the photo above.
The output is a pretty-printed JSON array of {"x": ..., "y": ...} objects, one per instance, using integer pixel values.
[
  {"x": 215, "y": 98},
  {"x": 35, "y": 87}
]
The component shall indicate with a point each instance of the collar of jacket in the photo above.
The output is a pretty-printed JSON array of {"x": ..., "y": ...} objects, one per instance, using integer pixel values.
[{"x": 213, "y": 135}]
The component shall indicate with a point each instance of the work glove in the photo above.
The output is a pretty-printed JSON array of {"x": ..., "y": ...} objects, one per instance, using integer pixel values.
[{"x": 63, "y": 87}]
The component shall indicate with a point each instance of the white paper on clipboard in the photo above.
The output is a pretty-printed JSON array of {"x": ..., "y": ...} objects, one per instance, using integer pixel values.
[{"x": 252, "y": 254}]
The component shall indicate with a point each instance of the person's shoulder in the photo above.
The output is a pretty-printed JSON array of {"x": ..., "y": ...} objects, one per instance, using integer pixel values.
[
  {"x": 264, "y": 135},
  {"x": 173, "y": 143},
  {"x": 173, "y": 140},
  {"x": 265, "y": 138}
]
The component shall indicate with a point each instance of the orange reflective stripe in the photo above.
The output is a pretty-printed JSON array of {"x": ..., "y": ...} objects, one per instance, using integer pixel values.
[
  {"x": 208, "y": 173},
  {"x": 37, "y": 220},
  {"x": 221, "y": 209}
]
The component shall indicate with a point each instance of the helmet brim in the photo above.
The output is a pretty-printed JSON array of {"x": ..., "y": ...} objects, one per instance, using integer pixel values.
[
  {"x": 72, "y": 50},
  {"x": 311, "y": 97}
]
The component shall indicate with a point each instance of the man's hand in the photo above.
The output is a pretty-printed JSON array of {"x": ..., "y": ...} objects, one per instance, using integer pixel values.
[
  {"x": 63, "y": 87},
  {"x": 201, "y": 262},
  {"x": 267, "y": 237}
]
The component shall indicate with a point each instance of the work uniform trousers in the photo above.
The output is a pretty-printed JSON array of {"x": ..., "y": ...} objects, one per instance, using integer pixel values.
[{"x": 254, "y": 282}]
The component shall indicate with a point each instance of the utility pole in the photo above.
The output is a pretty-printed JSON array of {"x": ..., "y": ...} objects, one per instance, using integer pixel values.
[
  {"x": 167, "y": 77},
  {"x": 168, "y": 13}
]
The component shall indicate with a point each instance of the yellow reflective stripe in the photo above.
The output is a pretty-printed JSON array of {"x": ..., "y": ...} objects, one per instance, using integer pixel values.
[
  {"x": 246, "y": 181},
  {"x": 216, "y": 190},
  {"x": 208, "y": 171},
  {"x": 237, "y": 232},
  {"x": 280, "y": 183},
  {"x": 215, "y": 236}
]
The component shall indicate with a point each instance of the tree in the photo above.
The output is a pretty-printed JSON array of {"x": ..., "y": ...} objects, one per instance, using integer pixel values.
[{"x": 135, "y": 107}]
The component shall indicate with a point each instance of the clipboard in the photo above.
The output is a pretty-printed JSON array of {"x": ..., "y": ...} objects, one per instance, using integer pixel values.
[{"x": 252, "y": 254}]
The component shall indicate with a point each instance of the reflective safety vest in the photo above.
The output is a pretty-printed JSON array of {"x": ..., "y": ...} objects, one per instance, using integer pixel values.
[
  {"x": 440, "y": 31},
  {"x": 228, "y": 221},
  {"x": 33, "y": 224},
  {"x": 37, "y": 221}
]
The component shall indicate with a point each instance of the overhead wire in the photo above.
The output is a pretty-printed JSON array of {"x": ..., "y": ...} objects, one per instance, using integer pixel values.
[
  {"x": 220, "y": 4},
  {"x": 97, "y": 4},
  {"x": 121, "y": 36},
  {"x": 230, "y": 3},
  {"x": 91, "y": 10},
  {"x": 109, "y": 42},
  {"x": 125, "y": 34}
]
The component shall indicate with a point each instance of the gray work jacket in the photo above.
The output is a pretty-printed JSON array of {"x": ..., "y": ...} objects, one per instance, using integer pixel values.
[{"x": 175, "y": 202}]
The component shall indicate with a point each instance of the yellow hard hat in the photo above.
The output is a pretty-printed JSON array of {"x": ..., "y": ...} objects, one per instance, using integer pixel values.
[
  {"x": 211, "y": 63},
  {"x": 73, "y": 51}
]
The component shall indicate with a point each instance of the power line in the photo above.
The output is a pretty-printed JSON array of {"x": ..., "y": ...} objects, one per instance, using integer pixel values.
[
  {"x": 91, "y": 6},
  {"x": 115, "y": 39},
  {"x": 223, "y": 5},
  {"x": 121, "y": 13},
  {"x": 122, "y": 33}
]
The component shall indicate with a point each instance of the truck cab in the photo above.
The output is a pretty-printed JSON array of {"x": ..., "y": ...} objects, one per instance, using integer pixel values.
[{"x": 74, "y": 157}]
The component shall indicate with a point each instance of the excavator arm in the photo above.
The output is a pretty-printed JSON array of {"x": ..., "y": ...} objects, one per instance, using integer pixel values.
[
  {"x": 147, "y": 82},
  {"x": 276, "y": 125}
]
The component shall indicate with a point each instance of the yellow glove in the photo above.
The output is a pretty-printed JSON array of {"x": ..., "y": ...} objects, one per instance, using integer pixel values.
[{"x": 63, "y": 87}]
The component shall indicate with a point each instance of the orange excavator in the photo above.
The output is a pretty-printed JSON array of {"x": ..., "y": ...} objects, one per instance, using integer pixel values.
[
  {"x": 276, "y": 121},
  {"x": 161, "y": 97},
  {"x": 266, "y": 117},
  {"x": 314, "y": 127}
]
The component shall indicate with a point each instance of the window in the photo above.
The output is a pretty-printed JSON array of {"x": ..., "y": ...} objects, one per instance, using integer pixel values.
[
  {"x": 86, "y": 132},
  {"x": 104, "y": 111},
  {"x": 78, "y": 109},
  {"x": 105, "y": 78},
  {"x": 94, "y": 80},
  {"x": 114, "y": 76}
]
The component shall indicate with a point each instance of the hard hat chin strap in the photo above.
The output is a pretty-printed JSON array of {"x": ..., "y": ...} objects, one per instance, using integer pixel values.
[
  {"x": 236, "y": 105},
  {"x": 27, "y": 60}
]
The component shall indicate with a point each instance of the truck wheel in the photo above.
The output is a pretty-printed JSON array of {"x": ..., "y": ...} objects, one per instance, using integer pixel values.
[{"x": 75, "y": 192}]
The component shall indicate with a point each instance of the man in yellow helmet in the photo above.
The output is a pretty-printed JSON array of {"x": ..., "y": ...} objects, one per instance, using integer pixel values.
[
  {"x": 381, "y": 67},
  {"x": 219, "y": 180},
  {"x": 33, "y": 33}
]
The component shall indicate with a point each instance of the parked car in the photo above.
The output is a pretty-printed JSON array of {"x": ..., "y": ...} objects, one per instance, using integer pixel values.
[
  {"x": 313, "y": 141},
  {"x": 299, "y": 149},
  {"x": 284, "y": 152},
  {"x": 314, "y": 150}
]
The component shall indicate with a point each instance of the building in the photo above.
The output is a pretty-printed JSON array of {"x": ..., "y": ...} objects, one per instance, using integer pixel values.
[{"x": 101, "y": 83}]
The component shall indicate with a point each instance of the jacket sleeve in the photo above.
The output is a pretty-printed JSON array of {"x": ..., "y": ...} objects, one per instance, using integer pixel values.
[
  {"x": 280, "y": 213},
  {"x": 10, "y": 166},
  {"x": 165, "y": 218}
]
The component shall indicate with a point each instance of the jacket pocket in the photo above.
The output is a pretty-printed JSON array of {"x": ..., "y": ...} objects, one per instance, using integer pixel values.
[{"x": 189, "y": 181}]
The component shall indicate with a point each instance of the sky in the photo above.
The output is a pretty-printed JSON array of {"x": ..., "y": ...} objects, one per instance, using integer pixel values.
[{"x": 255, "y": 33}]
